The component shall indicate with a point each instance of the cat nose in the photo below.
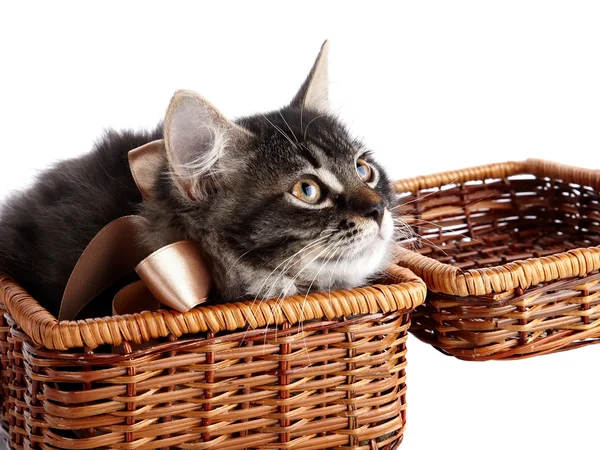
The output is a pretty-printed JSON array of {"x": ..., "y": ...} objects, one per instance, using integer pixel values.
[
  {"x": 369, "y": 204},
  {"x": 375, "y": 212}
]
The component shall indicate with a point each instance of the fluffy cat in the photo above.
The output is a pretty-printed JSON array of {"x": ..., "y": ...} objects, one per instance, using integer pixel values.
[{"x": 281, "y": 203}]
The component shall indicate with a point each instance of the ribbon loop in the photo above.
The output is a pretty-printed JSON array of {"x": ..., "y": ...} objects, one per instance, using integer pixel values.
[{"x": 176, "y": 275}]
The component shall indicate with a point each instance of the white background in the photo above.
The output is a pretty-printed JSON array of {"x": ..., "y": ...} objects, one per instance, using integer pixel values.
[{"x": 429, "y": 85}]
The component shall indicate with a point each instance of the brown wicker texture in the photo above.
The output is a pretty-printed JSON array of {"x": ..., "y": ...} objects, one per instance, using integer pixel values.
[
  {"x": 510, "y": 256},
  {"x": 325, "y": 371}
]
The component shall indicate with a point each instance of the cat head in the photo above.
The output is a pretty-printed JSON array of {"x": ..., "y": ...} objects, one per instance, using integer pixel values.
[{"x": 282, "y": 202}]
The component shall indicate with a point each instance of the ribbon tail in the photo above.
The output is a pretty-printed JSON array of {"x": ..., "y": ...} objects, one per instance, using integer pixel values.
[{"x": 111, "y": 254}]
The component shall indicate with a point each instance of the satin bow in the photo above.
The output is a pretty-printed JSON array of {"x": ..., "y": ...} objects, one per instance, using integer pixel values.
[{"x": 174, "y": 276}]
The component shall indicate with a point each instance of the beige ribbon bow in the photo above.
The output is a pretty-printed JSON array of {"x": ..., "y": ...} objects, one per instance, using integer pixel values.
[{"x": 174, "y": 276}]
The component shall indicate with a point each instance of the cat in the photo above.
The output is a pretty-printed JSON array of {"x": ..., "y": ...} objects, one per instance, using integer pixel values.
[{"x": 281, "y": 203}]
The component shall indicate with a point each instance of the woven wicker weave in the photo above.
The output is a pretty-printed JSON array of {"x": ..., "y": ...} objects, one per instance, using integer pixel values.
[
  {"x": 325, "y": 371},
  {"x": 510, "y": 257}
]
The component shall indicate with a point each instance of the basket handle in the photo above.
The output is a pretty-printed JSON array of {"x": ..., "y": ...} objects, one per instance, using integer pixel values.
[
  {"x": 570, "y": 174},
  {"x": 497, "y": 170}
]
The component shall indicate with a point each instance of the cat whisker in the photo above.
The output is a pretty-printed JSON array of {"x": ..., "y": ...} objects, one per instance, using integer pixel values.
[
  {"x": 420, "y": 198},
  {"x": 333, "y": 272},
  {"x": 237, "y": 261},
  {"x": 419, "y": 221},
  {"x": 330, "y": 230},
  {"x": 290, "y": 128},
  {"x": 314, "y": 245},
  {"x": 301, "y": 325},
  {"x": 245, "y": 253},
  {"x": 407, "y": 234},
  {"x": 429, "y": 242},
  {"x": 291, "y": 283},
  {"x": 412, "y": 243},
  {"x": 423, "y": 221},
  {"x": 280, "y": 130},
  {"x": 295, "y": 277},
  {"x": 306, "y": 129},
  {"x": 301, "y": 112},
  {"x": 400, "y": 224},
  {"x": 335, "y": 247},
  {"x": 327, "y": 258}
]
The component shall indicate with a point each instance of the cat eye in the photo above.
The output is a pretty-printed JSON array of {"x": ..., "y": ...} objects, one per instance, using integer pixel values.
[
  {"x": 364, "y": 170},
  {"x": 307, "y": 190}
]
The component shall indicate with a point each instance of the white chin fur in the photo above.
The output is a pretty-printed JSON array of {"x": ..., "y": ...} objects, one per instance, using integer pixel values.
[
  {"x": 357, "y": 265},
  {"x": 387, "y": 226}
]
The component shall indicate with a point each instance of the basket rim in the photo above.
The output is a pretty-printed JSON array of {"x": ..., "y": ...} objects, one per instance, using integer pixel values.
[
  {"x": 533, "y": 166},
  {"x": 448, "y": 279},
  {"x": 400, "y": 290}
]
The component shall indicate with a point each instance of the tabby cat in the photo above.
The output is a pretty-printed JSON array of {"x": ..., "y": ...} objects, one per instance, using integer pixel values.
[{"x": 281, "y": 203}]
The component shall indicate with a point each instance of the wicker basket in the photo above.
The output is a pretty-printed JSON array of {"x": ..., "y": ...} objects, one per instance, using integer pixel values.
[
  {"x": 315, "y": 372},
  {"x": 510, "y": 256}
]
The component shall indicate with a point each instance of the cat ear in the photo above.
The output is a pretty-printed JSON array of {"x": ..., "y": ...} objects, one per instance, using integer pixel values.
[
  {"x": 314, "y": 93},
  {"x": 198, "y": 141}
]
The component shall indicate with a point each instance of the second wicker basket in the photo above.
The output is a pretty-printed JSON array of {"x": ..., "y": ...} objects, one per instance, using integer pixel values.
[{"x": 510, "y": 255}]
